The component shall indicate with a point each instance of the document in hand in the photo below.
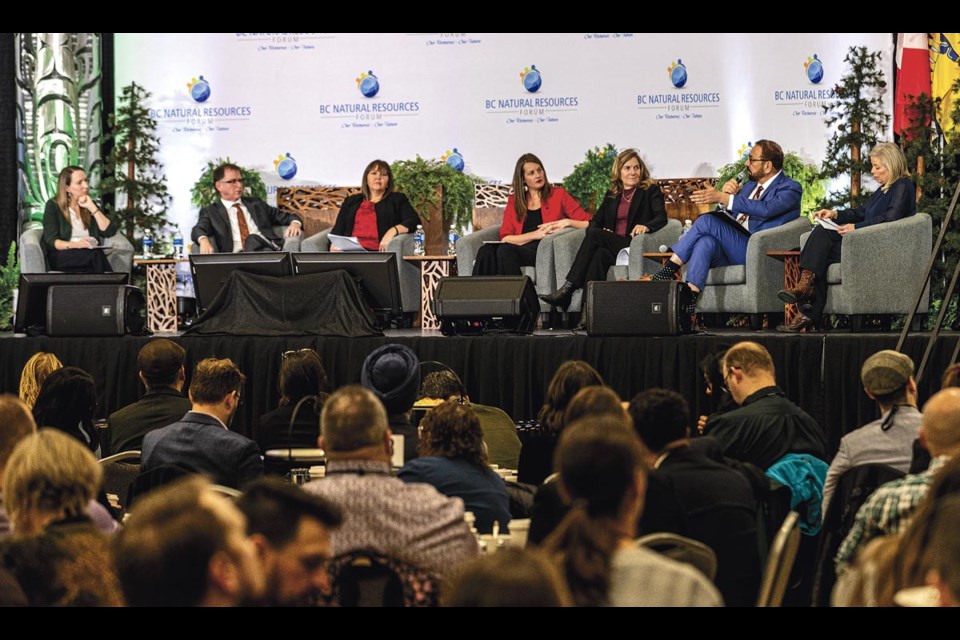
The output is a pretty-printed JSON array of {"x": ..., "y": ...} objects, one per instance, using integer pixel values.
[
  {"x": 826, "y": 223},
  {"x": 345, "y": 243}
]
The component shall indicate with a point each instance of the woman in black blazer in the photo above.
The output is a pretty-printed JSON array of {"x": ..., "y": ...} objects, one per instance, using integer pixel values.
[
  {"x": 378, "y": 214},
  {"x": 74, "y": 225},
  {"x": 634, "y": 205}
]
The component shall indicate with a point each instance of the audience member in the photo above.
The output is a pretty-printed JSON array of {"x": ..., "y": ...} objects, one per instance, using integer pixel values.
[
  {"x": 945, "y": 552},
  {"x": 510, "y": 578},
  {"x": 35, "y": 371},
  {"x": 719, "y": 399},
  {"x": 392, "y": 373},
  {"x": 186, "y": 546},
  {"x": 68, "y": 401},
  {"x": 291, "y": 529},
  {"x": 161, "y": 371},
  {"x": 202, "y": 441},
  {"x": 453, "y": 461},
  {"x": 16, "y": 423},
  {"x": 413, "y": 523},
  {"x": 302, "y": 378}
]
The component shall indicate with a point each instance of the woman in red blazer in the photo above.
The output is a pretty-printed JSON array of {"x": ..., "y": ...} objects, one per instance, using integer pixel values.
[{"x": 542, "y": 209}]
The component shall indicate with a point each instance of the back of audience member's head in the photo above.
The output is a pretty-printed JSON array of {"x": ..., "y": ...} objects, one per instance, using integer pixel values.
[
  {"x": 352, "y": 418},
  {"x": 49, "y": 477},
  {"x": 16, "y": 423},
  {"x": 570, "y": 377},
  {"x": 67, "y": 401},
  {"x": 35, "y": 371},
  {"x": 452, "y": 430},
  {"x": 599, "y": 461},
  {"x": 945, "y": 551},
  {"x": 751, "y": 358},
  {"x": 886, "y": 376},
  {"x": 951, "y": 377},
  {"x": 392, "y": 373},
  {"x": 711, "y": 366},
  {"x": 442, "y": 385},
  {"x": 274, "y": 509},
  {"x": 660, "y": 417},
  {"x": 214, "y": 379},
  {"x": 595, "y": 401},
  {"x": 183, "y": 543},
  {"x": 161, "y": 363},
  {"x": 940, "y": 428},
  {"x": 510, "y": 578},
  {"x": 301, "y": 375}
]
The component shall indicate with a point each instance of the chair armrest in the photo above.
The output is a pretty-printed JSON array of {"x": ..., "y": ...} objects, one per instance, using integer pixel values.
[
  {"x": 316, "y": 242},
  {"x": 898, "y": 249},
  {"x": 650, "y": 243},
  {"x": 120, "y": 252},
  {"x": 469, "y": 245},
  {"x": 32, "y": 259}
]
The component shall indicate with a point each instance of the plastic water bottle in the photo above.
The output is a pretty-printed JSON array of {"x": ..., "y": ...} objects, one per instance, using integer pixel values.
[
  {"x": 452, "y": 247},
  {"x": 687, "y": 225},
  {"x": 178, "y": 244},
  {"x": 147, "y": 245},
  {"x": 418, "y": 241}
]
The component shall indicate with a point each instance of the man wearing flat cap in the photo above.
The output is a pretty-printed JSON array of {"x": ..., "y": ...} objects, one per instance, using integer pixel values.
[
  {"x": 887, "y": 378},
  {"x": 161, "y": 372},
  {"x": 392, "y": 373}
]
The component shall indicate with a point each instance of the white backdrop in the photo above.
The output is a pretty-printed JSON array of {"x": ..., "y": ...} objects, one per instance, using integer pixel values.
[{"x": 299, "y": 108}]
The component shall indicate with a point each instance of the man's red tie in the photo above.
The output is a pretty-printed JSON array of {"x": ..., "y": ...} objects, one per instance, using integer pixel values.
[
  {"x": 242, "y": 224},
  {"x": 755, "y": 196}
]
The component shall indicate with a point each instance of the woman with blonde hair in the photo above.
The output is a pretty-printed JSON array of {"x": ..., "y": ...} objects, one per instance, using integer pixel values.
[
  {"x": 895, "y": 199},
  {"x": 38, "y": 367},
  {"x": 74, "y": 225},
  {"x": 633, "y": 206}
]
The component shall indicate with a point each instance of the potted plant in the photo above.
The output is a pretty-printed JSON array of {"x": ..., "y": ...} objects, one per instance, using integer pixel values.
[
  {"x": 9, "y": 281},
  {"x": 433, "y": 186},
  {"x": 205, "y": 193},
  {"x": 807, "y": 174},
  {"x": 590, "y": 179}
]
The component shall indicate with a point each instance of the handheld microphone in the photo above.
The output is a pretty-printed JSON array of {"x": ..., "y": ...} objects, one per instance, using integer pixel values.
[
  {"x": 741, "y": 177},
  {"x": 664, "y": 248}
]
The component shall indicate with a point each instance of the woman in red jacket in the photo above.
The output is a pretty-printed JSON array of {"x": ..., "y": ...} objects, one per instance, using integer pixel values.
[{"x": 534, "y": 210}]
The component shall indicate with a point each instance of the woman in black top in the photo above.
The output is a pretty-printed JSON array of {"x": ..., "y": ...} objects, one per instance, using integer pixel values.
[
  {"x": 379, "y": 213},
  {"x": 74, "y": 227}
]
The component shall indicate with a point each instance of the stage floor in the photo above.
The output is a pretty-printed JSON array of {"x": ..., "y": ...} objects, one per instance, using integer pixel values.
[{"x": 820, "y": 372}]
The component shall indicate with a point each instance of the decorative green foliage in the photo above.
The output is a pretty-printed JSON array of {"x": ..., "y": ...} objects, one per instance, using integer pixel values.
[
  {"x": 9, "y": 280},
  {"x": 860, "y": 121},
  {"x": 132, "y": 169},
  {"x": 418, "y": 180},
  {"x": 807, "y": 174},
  {"x": 590, "y": 179},
  {"x": 205, "y": 193}
]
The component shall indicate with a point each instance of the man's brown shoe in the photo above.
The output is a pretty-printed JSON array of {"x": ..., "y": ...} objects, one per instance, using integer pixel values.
[
  {"x": 803, "y": 292},
  {"x": 800, "y": 323}
]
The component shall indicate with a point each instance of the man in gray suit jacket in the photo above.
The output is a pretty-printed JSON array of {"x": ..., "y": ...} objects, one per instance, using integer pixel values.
[
  {"x": 201, "y": 441},
  {"x": 236, "y": 224}
]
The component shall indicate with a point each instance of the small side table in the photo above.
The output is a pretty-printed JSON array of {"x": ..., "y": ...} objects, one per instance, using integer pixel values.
[
  {"x": 161, "y": 292},
  {"x": 791, "y": 277},
  {"x": 432, "y": 268}
]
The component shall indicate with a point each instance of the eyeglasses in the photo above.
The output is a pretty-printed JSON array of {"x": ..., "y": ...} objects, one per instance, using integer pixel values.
[
  {"x": 234, "y": 181},
  {"x": 293, "y": 352},
  {"x": 752, "y": 160}
]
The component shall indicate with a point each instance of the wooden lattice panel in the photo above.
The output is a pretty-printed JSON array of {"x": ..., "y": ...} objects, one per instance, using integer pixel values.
[
  {"x": 491, "y": 195},
  {"x": 162, "y": 297},
  {"x": 676, "y": 196},
  {"x": 431, "y": 272},
  {"x": 318, "y": 206}
]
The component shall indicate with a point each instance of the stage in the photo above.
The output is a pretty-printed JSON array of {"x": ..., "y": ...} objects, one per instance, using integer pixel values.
[{"x": 820, "y": 372}]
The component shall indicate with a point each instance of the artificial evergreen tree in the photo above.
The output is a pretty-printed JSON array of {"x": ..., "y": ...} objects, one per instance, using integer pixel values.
[
  {"x": 132, "y": 169},
  {"x": 860, "y": 121}
]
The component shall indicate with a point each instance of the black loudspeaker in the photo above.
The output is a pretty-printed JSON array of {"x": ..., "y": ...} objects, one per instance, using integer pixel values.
[
  {"x": 477, "y": 305},
  {"x": 634, "y": 308},
  {"x": 95, "y": 310}
]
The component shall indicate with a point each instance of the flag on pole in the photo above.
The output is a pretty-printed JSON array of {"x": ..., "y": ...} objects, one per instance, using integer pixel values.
[
  {"x": 944, "y": 72},
  {"x": 913, "y": 77}
]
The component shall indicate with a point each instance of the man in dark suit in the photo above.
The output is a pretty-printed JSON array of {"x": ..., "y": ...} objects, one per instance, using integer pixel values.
[
  {"x": 769, "y": 199},
  {"x": 236, "y": 223},
  {"x": 161, "y": 371},
  {"x": 717, "y": 500},
  {"x": 201, "y": 441}
]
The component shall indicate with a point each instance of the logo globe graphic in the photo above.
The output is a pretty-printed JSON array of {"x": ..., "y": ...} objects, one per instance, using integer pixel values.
[
  {"x": 200, "y": 90},
  {"x": 815, "y": 71},
  {"x": 532, "y": 81},
  {"x": 455, "y": 161},
  {"x": 287, "y": 168},
  {"x": 679, "y": 76},
  {"x": 369, "y": 86}
]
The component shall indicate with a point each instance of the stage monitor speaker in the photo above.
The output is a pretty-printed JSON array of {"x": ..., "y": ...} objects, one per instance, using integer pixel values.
[
  {"x": 95, "y": 310},
  {"x": 634, "y": 308},
  {"x": 477, "y": 305}
]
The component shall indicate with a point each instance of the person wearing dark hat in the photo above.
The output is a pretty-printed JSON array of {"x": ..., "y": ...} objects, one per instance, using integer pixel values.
[
  {"x": 887, "y": 378},
  {"x": 392, "y": 373},
  {"x": 161, "y": 372}
]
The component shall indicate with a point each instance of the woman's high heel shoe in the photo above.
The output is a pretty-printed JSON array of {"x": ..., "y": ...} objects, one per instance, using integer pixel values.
[{"x": 561, "y": 297}]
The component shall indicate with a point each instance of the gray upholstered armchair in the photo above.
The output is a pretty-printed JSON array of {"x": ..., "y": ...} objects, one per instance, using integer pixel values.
[
  {"x": 566, "y": 247},
  {"x": 401, "y": 245},
  {"x": 292, "y": 243},
  {"x": 880, "y": 269},
  {"x": 119, "y": 252},
  {"x": 752, "y": 287}
]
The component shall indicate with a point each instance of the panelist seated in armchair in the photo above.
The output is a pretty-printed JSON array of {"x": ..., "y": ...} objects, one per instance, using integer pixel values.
[
  {"x": 73, "y": 224},
  {"x": 377, "y": 214},
  {"x": 894, "y": 200},
  {"x": 768, "y": 200},
  {"x": 534, "y": 210},
  {"x": 237, "y": 223},
  {"x": 633, "y": 206}
]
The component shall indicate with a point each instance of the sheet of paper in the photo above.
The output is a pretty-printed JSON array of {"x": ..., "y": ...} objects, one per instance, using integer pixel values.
[{"x": 345, "y": 243}]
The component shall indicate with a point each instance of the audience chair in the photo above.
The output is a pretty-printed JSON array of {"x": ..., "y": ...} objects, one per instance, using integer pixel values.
[
  {"x": 682, "y": 549},
  {"x": 119, "y": 472},
  {"x": 370, "y": 579},
  {"x": 783, "y": 551}
]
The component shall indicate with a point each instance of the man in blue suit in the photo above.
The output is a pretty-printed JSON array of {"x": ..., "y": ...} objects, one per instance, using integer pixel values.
[
  {"x": 769, "y": 199},
  {"x": 201, "y": 441}
]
